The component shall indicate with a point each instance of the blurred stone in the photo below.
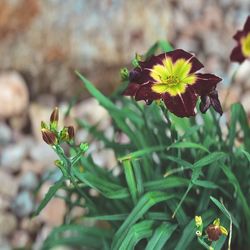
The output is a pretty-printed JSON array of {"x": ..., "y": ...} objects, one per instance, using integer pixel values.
[
  {"x": 28, "y": 181},
  {"x": 8, "y": 223},
  {"x": 4, "y": 204},
  {"x": 30, "y": 225},
  {"x": 91, "y": 111},
  {"x": 54, "y": 212},
  {"x": 4, "y": 244},
  {"x": 43, "y": 154},
  {"x": 38, "y": 113},
  {"x": 242, "y": 74},
  {"x": 12, "y": 157},
  {"x": 31, "y": 165},
  {"x": 229, "y": 95},
  {"x": 246, "y": 101},
  {"x": 14, "y": 97},
  {"x": 9, "y": 185},
  {"x": 5, "y": 134},
  {"x": 105, "y": 158},
  {"x": 29, "y": 43},
  {"x": 187, "y": 43},
  {"x": 23, "y": 204},
  {"x": 20, "y": 239}
]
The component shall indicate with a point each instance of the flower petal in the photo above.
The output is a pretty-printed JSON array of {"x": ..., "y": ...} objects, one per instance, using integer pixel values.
[
  {"x": 145, "y": 93},
  {"x": 205, "y": 83},
  {"x": 179, "y": 53},
  {"x": 215, "y": 102},
  {"x": 131, "y": 89},
  {"x": 236, "y": 55},
  {"x": 205, "y": 104},
  {"x": 239, "y": 34},
  {"x": 181, "y": 105},
  {"x": 247, "y": 25}
]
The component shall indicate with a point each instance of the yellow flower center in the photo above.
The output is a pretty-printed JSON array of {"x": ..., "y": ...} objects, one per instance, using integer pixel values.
[
  {"x": 245, "y": 45},
  {"x": 172, "y": 77}
]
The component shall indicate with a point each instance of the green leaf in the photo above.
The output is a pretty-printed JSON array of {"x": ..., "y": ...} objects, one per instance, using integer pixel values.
[
  {"x": 245, "y": 153},
  {"x": 142, "y": 152},
  {"x": 188, "y": 233},
  {"x": 186, "y": 144},
  {"x": 166, "y": 183},
  {"x": 161, "y": 236},
  {"x": 209, "y": 159},
  {"x": 136, "y": 233},
  {"x": 143, "y": 205},
  {"x": 112, "y": 217},
  {"x": 130, "y": 178},
  {"x": 105, "y": 187},
  {"x": 49, "y": 195},
  {"x": 238, "y": 114},
  {"x": 205, "y": 184},
  {"x": 233, "y": 180},
  {"x": 162, "y": 45},
  {"x": 77, "y": 236}
]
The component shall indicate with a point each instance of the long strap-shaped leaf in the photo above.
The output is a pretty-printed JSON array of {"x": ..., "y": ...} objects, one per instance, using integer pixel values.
[
  {"x": 136, "y": 233},
  {"x": 49, "y": 195},
  {"x": 143, "y": 205},
  {"x": 160, "y": 236}
]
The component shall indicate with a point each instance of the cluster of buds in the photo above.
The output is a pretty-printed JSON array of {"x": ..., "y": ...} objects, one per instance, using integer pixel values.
[
  {"x": 50, "y": 133},
  {"x": 213, "y": 231}
]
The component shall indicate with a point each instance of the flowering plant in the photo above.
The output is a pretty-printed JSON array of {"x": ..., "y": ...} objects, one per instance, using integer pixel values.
[{"x": 171, "y": 167}]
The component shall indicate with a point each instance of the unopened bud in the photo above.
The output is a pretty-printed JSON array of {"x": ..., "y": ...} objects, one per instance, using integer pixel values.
[
  {"x": 54, "y": 117},
  {"x": 198, "y": 221},
  {"x": 48, "y": 136},
  {"x": 124, "y": 73},
  {"x": 58, "y": 163},
  {"x": 71, "y": 132},
  {"x": 213, "y": 232}
]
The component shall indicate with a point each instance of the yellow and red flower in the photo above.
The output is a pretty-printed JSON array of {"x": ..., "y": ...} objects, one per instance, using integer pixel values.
[
  {"x": 242, "y": 50},
  {"x": 172, "y": 77},
  {"x": 215, "y": 230}
]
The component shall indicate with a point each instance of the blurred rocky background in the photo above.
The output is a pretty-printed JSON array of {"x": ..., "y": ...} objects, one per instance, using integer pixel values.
[{"x": 42, "y": 42}]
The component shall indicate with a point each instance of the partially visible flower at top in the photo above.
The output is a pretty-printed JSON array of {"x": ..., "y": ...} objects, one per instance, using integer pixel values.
[
  {"x": 215, "y": 230},
  {"x": 242, "y": 50},
  {"x": 172, "y": 77}
]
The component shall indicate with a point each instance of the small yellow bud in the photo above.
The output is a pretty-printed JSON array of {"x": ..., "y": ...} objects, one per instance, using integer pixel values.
[{"x": 198, "y": 221}]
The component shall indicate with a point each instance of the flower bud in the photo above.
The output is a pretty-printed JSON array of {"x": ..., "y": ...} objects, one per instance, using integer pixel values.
[
  {"x": 54, "y": 117},
  {"x": 124, "y": 73},
  {"x": 48, "y": 136},
  {"x": 71, "y": 132},
  {"x": 198, "y": 221},
  {"x": 213, "y": 232}
]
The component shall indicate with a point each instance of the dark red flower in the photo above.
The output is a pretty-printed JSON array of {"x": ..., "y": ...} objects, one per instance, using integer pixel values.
[
  {"x": 215, "y": 230},
  {"x": 172, "y": 77},
  {"x": 242, "y": 50}
]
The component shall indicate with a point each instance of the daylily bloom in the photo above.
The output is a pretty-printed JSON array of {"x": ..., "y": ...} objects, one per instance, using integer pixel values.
[
  {"x": 172, "y": 77},
  {"x": 242, "y": 50},
  {"x": 215, "y": 230}
]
